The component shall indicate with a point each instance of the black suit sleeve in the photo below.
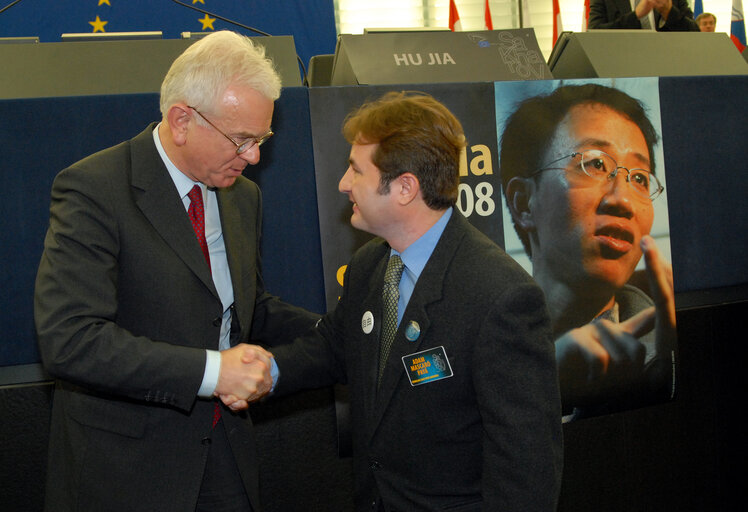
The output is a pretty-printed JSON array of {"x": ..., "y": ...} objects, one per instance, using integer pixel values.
[
  {"x": 605, "y": 14},
  {"x": 609, "y": 14},
  {"x": 516, "y": 387},
  {"x": 77, "y": 299},
  {"x": 316, "y": 359},
  {"x": 680, "y": 18}
]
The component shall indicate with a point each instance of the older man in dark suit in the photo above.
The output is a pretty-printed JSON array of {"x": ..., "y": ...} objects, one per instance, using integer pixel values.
[
  {"x": 150, "y": 267},
  {"x": 442, "y": 338},
  {"x": 660, "y": 15}
]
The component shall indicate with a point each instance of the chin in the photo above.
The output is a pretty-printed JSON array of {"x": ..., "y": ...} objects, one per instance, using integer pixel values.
[
  {"x": 612, "y": 274},
  {"x": 356, "y": 222},
  {"x": 227, "y": 182}
]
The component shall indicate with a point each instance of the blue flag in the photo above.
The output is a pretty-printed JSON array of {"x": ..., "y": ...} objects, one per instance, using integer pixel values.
[
  {"x": 310, "y": 22},
  {"x": 698, "y": 8}
]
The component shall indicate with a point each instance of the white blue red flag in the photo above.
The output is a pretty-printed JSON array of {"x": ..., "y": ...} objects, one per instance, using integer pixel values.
[{"x": 737, "y": 25}]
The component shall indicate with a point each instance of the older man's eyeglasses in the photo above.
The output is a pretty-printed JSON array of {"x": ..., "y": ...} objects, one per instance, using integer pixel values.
[
  {"x": 600, "y": 166},
  {"x": 241, "y": 147}
]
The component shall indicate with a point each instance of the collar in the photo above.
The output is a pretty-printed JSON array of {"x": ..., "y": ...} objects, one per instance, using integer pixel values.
[
  {"x": 182, "y": 182},
  {"x": 418, "y": 253}
]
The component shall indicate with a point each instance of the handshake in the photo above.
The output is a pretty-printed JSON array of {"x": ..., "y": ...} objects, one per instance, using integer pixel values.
[{"x": 244, "y": 376}]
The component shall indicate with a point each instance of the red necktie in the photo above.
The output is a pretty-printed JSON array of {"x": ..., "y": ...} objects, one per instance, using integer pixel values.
[
  {"x": 197, "y": 216},
  {"x": 196, "y": 211}
]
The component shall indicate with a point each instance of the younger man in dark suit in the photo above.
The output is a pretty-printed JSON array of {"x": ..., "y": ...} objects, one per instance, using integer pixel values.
[
  {"x": 150, "y": 267},
  {"x": 442, "y": 338}
]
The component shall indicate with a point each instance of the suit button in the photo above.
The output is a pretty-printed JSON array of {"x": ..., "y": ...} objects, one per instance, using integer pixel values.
[
  {"x": 217, "y": 321},
  {"x": 375, "y": 466},
  {"x": 205, "y": 440}
]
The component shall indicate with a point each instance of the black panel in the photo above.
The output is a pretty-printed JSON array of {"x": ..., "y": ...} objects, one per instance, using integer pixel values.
[
  {"x": 111, "y": 67},
  {"x": 620, "y": 53},
  {"x": 704, "y": 142},
  {"x": 429, "y": 57}
]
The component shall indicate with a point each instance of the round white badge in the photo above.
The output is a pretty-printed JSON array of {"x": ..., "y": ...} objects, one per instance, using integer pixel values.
[{"x": 367, "y": 322}]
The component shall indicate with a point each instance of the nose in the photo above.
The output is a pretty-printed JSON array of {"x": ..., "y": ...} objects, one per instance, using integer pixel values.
[
  {"x": 618, "y": 199},
  {"x": 252, "y": 155},
  {"x": 344, "y": 186}
]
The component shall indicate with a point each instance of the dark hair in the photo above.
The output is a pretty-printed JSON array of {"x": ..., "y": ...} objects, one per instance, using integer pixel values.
[
  {"x": 532, "y": 126},
  {"x": 416, "y": 134}
]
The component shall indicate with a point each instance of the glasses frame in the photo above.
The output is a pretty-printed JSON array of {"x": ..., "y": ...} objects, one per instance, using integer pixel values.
[
  {"x": 240, "y": 147},
  {"x": 611, "y": 175}
]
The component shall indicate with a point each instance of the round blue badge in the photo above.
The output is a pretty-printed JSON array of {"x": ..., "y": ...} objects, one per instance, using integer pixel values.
[{"x": 413, "y": 331}]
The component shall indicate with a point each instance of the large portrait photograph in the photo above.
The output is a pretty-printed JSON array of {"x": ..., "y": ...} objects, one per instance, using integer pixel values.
[{"x": 585, "y": 212}]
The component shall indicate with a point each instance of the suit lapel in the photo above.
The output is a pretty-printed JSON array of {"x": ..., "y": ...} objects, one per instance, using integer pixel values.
[
  {"x": 429, "y": 289},
  {"x": 370, "y": 346},
  {"x": 157, "y": 197}
]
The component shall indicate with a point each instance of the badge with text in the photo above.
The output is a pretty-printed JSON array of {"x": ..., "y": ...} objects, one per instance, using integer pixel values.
[
  {"x": 427, "y": 366},
  {"x": 367, "y": 322}
]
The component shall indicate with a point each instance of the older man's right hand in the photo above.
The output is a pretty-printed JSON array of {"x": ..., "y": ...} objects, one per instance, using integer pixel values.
[{"x": 244, "y": 376}]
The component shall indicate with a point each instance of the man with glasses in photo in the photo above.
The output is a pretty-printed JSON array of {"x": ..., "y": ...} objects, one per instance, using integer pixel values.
[
  {"x": 577, "y": 169},
  {"x": 149, "y": 289}
]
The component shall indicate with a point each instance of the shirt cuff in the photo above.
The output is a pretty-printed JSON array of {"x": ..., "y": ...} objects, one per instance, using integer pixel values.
[
  {"x": 274, "y": 373},
  {"x": 210, "y": 376}
]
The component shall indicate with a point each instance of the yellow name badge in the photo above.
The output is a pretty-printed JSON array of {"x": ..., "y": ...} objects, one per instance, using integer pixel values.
[{"x": 427, "y": 366}]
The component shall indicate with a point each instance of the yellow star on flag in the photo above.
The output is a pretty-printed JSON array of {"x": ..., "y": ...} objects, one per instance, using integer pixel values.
[
  {"x": 207, "y": 22},
  {"x": 102, "y": 2},
  {"x": 98, "y": 25},
  {"x": 196, "y": 1}
]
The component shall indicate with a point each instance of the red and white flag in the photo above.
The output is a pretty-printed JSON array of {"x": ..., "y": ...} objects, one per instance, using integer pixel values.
[
  {"x": 557, "y": 26},
  {"x": 586, "y": 15},
  {"x": 454, "y": 17},
  {"x": 487, "y": 15}
]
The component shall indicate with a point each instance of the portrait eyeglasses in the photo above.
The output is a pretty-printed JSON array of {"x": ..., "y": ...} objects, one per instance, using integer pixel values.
[
  {"x": 600, "y": 166},
  {"x": 242, "y": 147}
]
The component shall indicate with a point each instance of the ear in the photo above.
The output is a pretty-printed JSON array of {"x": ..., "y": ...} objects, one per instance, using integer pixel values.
[
  {"x": 178, "y": 118},
  {"x": 519, "y": 194},
  {"x": 408, "y": 188}
]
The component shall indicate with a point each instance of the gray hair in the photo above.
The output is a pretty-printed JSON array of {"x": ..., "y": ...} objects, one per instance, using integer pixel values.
[{"x": 201, "y": 74}]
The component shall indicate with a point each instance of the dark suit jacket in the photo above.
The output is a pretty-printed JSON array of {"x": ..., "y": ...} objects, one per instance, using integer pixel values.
[
  {"x": 125, "y": 307},
  {"x": 488, "y": 438},
  {"x": 618, "y": 14}
]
